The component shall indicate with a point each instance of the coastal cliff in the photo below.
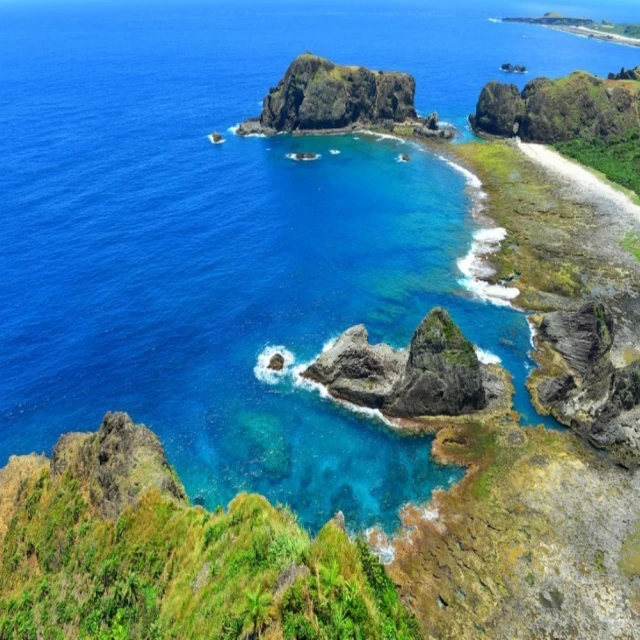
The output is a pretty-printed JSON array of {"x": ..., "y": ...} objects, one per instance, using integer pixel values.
[
  {"x": 316, "y": 95},
  {"x": 100, "y": 542},
  {"x": 550, "y": 111}
]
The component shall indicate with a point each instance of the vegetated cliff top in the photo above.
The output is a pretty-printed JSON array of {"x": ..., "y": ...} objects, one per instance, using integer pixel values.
[
  {"x": 100, "y": 542},
  {"x": 550, "y": 111}
]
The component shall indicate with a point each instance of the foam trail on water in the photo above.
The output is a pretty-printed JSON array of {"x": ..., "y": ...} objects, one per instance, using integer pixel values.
[
  {"x": 471, "y": 178},
  {"x": 262, "y": 371},
  {"x": 496, "y": 20},
  {"x": 334, "y": 152}
]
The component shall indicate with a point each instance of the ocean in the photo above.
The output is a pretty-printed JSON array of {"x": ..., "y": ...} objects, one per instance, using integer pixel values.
[{"x": 143, "y": 269}]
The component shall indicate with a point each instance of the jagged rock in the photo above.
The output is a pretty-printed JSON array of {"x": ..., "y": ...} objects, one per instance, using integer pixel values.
[
  {"x": 277, "y": 362},
  {"x": 580, "y": 105},
  {"x": 216, "y": 137},
  {"x": 306, "y": 156},
  {"x": 116, "y": 464},
  {"x": 443, "y": 374},
  {"x": 316, "y": 94},
  {"x": 440, "y": 374},
  {"x": 583, "y": 338},
  {"x": 626, "y": 74},
  {"x": 356, "y": 371},
  {"x": 405, "y": 158},
  {"x": 590, "y": 395},
  {"x": 513, "y": 68}
]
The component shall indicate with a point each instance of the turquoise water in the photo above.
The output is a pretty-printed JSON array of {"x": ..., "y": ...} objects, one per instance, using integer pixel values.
[{"x": 145, "y": 270}]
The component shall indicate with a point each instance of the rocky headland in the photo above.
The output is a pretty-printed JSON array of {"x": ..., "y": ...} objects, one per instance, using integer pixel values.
[
  {"x": 626, "y": 74},
  {"x": 550, "y": 111},
  {"x": 317, "y": 96},
  {"x": 438, "y": 375}
]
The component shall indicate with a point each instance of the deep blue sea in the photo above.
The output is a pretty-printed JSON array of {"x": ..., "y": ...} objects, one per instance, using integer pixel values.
[{"x": 144, "y": 269}]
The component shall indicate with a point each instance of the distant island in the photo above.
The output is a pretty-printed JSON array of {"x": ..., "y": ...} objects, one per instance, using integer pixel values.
[{"x": 586, "y": 27}]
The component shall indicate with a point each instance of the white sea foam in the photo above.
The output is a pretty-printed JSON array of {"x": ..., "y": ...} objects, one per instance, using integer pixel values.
[
  {"x": 380, "y": 545},
  {"x": 486, "y": 357},
  {"x": 212, "y": 141},
  {"x": 431, "y": 515},
  {"x": 400, "y": 159},
  {"x": 471, "y": 178},
  {"x": 474, "y": 269},
  {"x": 262, "y": 371},
  {"x": 234, "y": 129},
  {"x": 381, "y": 136},
  {"x": 293, "y": 156},
  {"x": 495, "y": 20},
  {"x": 334, "y": 152},
  {"x": 356, "y": 137}
]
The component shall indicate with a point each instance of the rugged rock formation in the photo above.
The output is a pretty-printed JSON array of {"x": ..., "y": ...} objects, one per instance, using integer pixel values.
[
  {"x": 626, "y": 74},
  {"x": 277, "y": 362},
  {"x": 439, "y": 374},
  {"x": 513, "y": 68},
  {"x": 316, "y": 94},
  {"x": 579, "y": 385},
  {"x": 579, "y": 105},
  {"x": 116, "y": 464},
  {"x": 554, "y": 20}
]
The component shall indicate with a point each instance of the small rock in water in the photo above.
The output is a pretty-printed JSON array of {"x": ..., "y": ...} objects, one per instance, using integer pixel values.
[
  {"x": 277, "y": 362},
  {"x": 306, "y": 156},
  {"x": 405, "y": 158},
  {"x": 216, "y": 137}
]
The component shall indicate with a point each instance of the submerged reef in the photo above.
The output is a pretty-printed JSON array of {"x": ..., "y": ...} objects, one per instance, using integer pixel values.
[{"x": 315, "y": 95}]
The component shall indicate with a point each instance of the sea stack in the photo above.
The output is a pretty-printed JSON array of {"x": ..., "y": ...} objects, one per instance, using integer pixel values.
[{"x": 439, "y": 374}]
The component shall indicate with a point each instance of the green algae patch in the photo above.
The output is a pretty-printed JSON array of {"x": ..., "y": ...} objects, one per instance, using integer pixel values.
[
  {"x": 631, "y": 243},
  {"x": 630, "y": 554}
]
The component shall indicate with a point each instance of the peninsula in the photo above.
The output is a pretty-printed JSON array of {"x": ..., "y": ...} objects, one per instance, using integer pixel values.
[{"x": 607, "y": 31}]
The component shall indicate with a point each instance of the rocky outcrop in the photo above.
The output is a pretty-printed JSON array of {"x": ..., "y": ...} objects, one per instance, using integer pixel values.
[
  {"x": 439, "y": 374},
  {"x": 276, "y": 363},
  {"x": 579, "y": 385},
  {"x": 316, "y": 94},
  {"x": 116, "y": 464},
  {"x": 550, "y": 111},
  {"x": 626, "y": 74},
  {"x": 507, "y": 67}
]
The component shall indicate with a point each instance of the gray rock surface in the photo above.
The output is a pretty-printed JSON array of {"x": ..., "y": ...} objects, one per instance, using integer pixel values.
[
  {"x": 589, "y": 394},
  {"x": 439, "y": 374},
  {"x": 116, "y": 464}
]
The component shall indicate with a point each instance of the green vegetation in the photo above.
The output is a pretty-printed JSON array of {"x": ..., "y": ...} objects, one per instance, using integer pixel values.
[
  {"x": 618, "y": 160},
  {"x": 631, "y": 243},
  {"x": 167, "y": 570}
]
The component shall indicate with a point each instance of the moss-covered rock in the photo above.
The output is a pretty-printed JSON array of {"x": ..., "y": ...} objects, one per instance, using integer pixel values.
[
  {"x": 316, "y": 94},
  {"x": 551, "y": 111}
]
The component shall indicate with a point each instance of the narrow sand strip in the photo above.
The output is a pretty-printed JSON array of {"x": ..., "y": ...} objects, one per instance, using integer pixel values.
[{"x": 590, "y": 186}]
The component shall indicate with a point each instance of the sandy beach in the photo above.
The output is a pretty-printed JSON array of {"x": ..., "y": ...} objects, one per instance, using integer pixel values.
[{"x": 590, "y": 186}]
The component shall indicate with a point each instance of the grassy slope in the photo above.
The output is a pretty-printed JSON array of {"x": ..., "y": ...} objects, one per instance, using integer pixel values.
[{"x": 169, "y": 571}]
